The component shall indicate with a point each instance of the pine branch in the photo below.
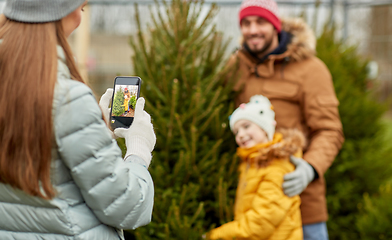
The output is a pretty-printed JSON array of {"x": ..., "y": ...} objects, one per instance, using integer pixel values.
[
  {"x": 174, "y": 101},
  {"x": 209, "y": 119},
  {"x": 183, "y": 135},
  {"x": 211, "y": 105}
]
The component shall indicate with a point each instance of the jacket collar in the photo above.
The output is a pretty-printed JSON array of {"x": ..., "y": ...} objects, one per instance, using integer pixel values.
[
  {"x": 284, "y": 40},
  {"x": 62, "y": 68},
  {"x": 254, "y": 152},
  {"x": 286, "y": 142}
]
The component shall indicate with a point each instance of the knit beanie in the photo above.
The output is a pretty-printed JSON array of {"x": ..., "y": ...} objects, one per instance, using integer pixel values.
[
  {"x": 267, "y": 9},
  {"x": 259, "y": 111},
  {"x": 39, "y": 11}
]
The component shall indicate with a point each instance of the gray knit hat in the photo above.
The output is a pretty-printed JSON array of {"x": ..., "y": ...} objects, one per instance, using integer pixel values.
[{"x": 39, "y": 11}]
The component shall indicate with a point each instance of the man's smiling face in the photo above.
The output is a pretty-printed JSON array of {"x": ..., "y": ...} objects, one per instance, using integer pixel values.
[{"x": 258, "y": 34}]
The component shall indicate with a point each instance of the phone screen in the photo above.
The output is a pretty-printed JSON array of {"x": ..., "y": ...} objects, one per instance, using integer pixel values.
[{"x": 126, "y": 92}]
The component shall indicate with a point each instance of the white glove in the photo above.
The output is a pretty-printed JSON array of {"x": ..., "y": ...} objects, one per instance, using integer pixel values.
[
  {"x": 296, "y": 181},
  {"x": 139, "y": 137},
  {"x": 104, "y": 103}
]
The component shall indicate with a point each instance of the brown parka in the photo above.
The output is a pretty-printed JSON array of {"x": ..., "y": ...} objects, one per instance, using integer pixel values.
[{"x": 300, "y": 88}]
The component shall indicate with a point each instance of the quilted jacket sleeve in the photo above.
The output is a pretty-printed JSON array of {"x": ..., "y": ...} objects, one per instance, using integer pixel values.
[
  {"x": 119, "y": 193},
  {"x": 269, "y": 208}
]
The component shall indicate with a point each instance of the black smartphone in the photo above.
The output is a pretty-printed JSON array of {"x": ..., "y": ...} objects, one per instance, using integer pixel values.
[{"x": 126, "y": 91}]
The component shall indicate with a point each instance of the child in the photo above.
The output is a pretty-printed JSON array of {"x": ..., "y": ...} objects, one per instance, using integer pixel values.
[
  {"x": 262, "y": 210},
  {"x": 127, "y": 97}
]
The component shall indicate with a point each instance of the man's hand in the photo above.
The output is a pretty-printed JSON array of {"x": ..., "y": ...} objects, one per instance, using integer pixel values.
[{"x": 296, "y": 181}]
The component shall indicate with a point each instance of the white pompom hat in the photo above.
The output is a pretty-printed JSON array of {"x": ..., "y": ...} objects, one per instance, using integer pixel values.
[{"x": 259, "y": 110}]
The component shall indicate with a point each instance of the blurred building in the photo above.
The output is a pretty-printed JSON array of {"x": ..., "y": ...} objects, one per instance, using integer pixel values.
[
  {"x": 109, "y": 55},
  {"x": 364, "y": 23},
  {"x": 380, "y": 47}
]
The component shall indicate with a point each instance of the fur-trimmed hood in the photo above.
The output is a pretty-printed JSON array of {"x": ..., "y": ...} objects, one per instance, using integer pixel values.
[
  {"x": 293, "y": 140},
  {"x": 286, "y": 142},
  {"x": 303, "y": 41}
]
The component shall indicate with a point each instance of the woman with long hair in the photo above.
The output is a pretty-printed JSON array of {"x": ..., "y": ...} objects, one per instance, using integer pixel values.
[{"x": 62, "y": 175}]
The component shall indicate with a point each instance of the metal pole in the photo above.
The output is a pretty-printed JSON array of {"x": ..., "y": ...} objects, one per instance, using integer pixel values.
[
  {"x": 345, "y": 19},
  {"x": 332, "y": 17}
]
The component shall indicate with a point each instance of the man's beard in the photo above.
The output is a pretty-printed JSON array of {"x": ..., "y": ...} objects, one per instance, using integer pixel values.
[{"x": 262, "y": 51}]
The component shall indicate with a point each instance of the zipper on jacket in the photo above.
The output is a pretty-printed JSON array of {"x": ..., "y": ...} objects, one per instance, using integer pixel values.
[
  {"x": 256, "y": 73},
  {"x": 285, "y": 62}
]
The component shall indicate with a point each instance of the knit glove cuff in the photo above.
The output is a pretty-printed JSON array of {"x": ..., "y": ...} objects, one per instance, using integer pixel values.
[
  {"x": 139, "y": 146},
  {"x": 140, "y": 138}
]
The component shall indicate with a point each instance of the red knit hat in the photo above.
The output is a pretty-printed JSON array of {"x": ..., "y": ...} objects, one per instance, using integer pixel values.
[{"x": 267, "y": 9}]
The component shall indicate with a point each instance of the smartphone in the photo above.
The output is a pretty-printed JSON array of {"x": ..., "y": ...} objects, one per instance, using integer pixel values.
[{"x": 126, "y": 91}]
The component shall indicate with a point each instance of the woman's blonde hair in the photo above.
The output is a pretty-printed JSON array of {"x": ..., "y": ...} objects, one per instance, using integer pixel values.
[{"x": 28, "y": 74}]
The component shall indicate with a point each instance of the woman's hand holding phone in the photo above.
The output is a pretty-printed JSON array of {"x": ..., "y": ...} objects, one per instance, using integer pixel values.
[
  {"x": 126, "y": 92},
  {"x": 104, "y": 102},
  {"x": 140, "y": 138}
]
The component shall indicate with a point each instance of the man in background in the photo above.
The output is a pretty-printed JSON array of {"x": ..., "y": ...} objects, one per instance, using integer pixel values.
[{"x": 277, "y": 59}]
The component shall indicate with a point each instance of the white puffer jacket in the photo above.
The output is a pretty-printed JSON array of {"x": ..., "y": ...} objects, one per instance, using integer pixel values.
[{"x": 98, "y": 194}]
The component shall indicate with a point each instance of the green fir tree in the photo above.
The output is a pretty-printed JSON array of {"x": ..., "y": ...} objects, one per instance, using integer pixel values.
[
  {"x": 364, "y": 163},
  {"x": 376, "y": 221},
  {"x": 118, "y": 103},
  {"x": 132, "y": 102},
  {"x": 181, "y": 61}
]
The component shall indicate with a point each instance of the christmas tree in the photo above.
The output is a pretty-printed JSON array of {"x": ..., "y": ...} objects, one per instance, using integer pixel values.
[
  {"x": 376, "y": 220},
  {"x": 118, "y": 103},
  {"x": 181, "y": 61},
  {"x": 132, "y": 102},
  {"x": 364, "y": 162}
]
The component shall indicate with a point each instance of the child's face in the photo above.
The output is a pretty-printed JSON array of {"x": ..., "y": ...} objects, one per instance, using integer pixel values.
[{"x": 247, "y": 134}]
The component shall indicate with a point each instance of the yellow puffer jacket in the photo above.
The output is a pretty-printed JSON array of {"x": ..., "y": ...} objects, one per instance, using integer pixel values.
[{"x": 262, "y": 211}]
